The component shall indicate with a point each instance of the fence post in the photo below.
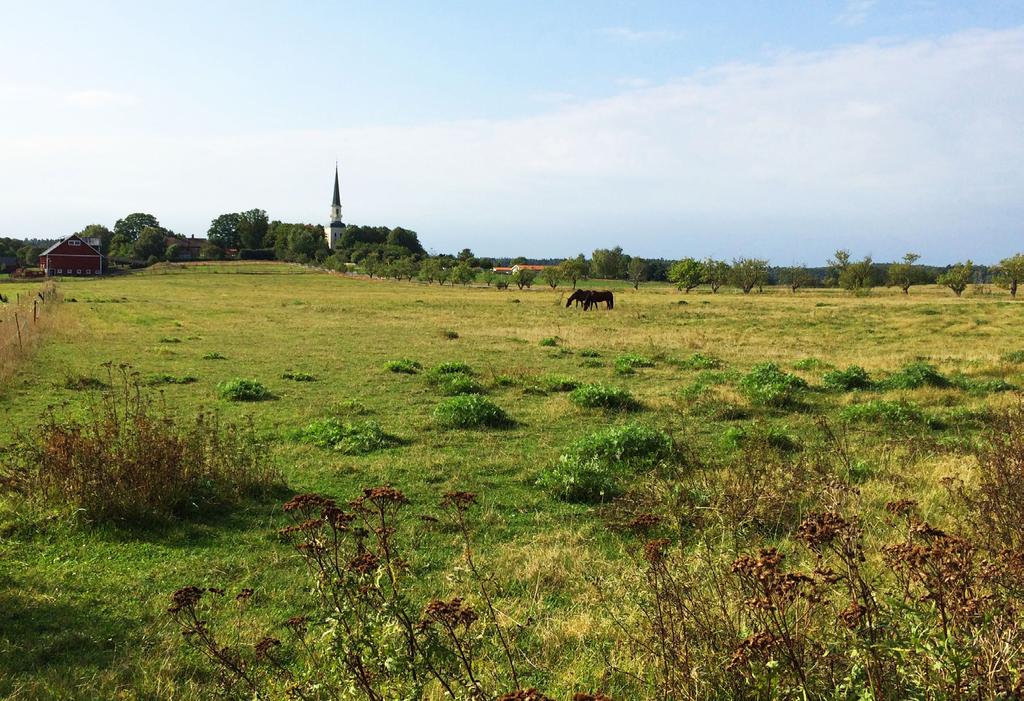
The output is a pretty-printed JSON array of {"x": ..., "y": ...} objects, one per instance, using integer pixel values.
[
  {"x": 17, "y": 325},
  {"x": 35, "y": 311}
]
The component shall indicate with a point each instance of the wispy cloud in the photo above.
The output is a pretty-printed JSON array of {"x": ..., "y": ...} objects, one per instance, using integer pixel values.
[
  {"x": 881, "y": 147},
  {"x": 99, "y": 98},
  {"x": 635, "y": 36},
  {"x": 855, "y": 13}
]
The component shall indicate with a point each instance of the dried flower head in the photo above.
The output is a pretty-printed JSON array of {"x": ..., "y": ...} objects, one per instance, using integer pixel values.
[
  {"x": 265, "y": 645},
  {"x": 654, "y": 550},
  {"x": 524, "y": 695}
]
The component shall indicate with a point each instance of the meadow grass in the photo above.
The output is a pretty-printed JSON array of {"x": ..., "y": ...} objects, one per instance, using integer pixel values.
[{"x": 85, "y": 603}]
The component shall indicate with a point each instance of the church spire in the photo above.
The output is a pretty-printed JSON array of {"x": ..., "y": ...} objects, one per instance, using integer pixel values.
[
  {"x": 337, "y": 192},
  {"x": 336, "y": 202}
]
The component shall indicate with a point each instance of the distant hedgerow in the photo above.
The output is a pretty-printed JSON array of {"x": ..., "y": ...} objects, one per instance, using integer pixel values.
[
  {"x": 852, "y": 378},
  {"x": 470, "y": 411},
  {"x": 598, "y": 396},
  {"x": 350, "y": 438},
  {"x": 403, "y": 365},
  {"x": 592, "y": 468},
  {"x": 242, "y": 390},
  {"x": 767, "y": 385}
]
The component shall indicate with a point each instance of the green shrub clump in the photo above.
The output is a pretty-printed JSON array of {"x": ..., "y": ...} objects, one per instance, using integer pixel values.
[
  {"x": 350, "y": 438},
  {"x": 403, "y": 365},
  {"x": 164, "y": 378},
  {"x": 470, "y": 411},
  {"x": 456, "y": 384},
  {"x": 898, "y": 413},
  {"x": 559, "y": 383},
  {"x": 299, "y": 376},
  {"x": 915, "y": 375},
  {"x": 627, "y": 364},
  {"x": 767, "y": 385},
  {"x": 700, "y": 361},
  {"x": 852, "y": 378},
  {"x": 241, "y": 390},
  {"x": 592, "y": 469},
  {"x": 549, "y": 342},
  {"x": 589, "y": 353},
  {"x": 598, "y": 396},
  {"x": 213, "y": 355},
  {"x": 451, "y": 367}
]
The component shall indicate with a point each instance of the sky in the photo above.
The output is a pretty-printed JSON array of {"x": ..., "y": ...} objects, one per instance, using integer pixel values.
[{"x": 782, "y": 130}]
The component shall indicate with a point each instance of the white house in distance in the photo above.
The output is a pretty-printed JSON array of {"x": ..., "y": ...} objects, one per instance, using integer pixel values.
[{"x": 332, "y": 232}]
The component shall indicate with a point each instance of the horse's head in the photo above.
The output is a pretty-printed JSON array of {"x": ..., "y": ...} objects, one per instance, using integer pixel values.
[{"x": 573, "y": 297}]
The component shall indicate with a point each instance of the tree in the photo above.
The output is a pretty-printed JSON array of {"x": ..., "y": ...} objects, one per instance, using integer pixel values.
[
  {"x": 687, "y": 273},
  {"x": 836, "y": 265},
  {"x": 443, "y": 273},
  {"x": 131, "y": 227},
  {"x": 463, "y": 274},
  {"x": 1010, "y": 273},
  {"x": 28, "y": 255},
  {"x": 855, "y": 277},
  {"x": 716, "y": 273},
  {"x": 252, "y": 228},
  {"x": 796, "y": 276},
  {"x": 748, "y": 273},
  {"x": 636, "y": 272},
  {"x": 905, "y": 273},
  {"x": 524, "y": 278},
  {"x": 151, "y": 243},
  {"x": 488, "y": 276},
  {"x": 574, "y": 269},
  {"x": 405, "y": 268},
  {"x": 957, "y": 277},
  {"x": 173, "y": 252},
  {"x": 223, "y": 231},
  {"x": 429, "y": 270},
  {"x": 98, "y": 231},
  {"x": 552, "y": 275},
  {"x": 608, "y": 263},
  {"x": 371, "y": 265},
  {"x": 465, "y": 255}
]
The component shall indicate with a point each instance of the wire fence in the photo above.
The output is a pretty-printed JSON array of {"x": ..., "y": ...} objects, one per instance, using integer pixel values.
[{"x": 24, "y": 317}]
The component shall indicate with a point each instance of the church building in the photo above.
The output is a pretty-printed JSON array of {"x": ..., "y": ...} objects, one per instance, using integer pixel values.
[{"x": 332, "y": 232}]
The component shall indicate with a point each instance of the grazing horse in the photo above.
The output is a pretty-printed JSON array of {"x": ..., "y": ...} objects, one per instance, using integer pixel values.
[
  {"x": 579, "y": 297},
  {"x": 597, "y": 296}
]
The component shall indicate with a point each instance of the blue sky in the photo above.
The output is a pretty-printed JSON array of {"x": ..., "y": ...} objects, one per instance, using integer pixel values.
[{"x": 783, "y": 129}]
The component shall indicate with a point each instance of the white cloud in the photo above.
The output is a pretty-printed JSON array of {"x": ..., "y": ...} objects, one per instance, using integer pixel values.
[
  {"x": 878, "y": 147},
  {"x": 629, "y": 35},
  {"x": 855, "y": 13},
  {"x": 99, "y": 98}
]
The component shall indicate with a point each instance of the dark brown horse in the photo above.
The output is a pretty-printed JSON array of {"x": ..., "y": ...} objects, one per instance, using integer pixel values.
[
  {"x": 595, "y": 297},
  {"x": 579, "y": 297}
]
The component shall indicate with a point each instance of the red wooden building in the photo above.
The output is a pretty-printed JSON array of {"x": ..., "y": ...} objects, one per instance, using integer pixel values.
[{"x": 73, "y": 256}]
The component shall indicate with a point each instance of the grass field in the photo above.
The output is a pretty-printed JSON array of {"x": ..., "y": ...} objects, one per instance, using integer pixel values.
[{"x": 84, "y": 605}]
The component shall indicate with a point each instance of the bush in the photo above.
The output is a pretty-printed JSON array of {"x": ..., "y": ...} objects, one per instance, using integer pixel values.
[
  {"x": 164, "y": 378},
  {"x": 700, "y": 361},
  {"x": 299, "y": 376},
  {"x": 633, "y": 361},
  {"x": 592, "y": 468},
  {"x": 559, "y": 383},
  {"x": 969, "y": 384},
  {"x": 470, "y": 411},
  {"x": 598, "y": 396},
  {"x": 213, "y": 355},
  {"x": 241, "y": 390},
  {"x": 356, "y": 438},
  {"x": 589, "y": 353},
  {"x": 915, "y": 375},
  {"x": 776, "y": 437},
  {"x": 403, "y": 365},
  {"x": 549, "y": 342},
  {"x": 898, "y": 413},
  {"x": 132, "y": 461},
  {"x": 449, "y": 368},
  {"x": 852, "y": 378},
  {"x": 767, "y": 385}
]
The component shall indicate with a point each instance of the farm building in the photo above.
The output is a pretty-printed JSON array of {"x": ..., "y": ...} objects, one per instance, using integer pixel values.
[
  {"x": 188, "y": 249},
  {"x": 518, "y": 267},
  {"x": 73, "y": 256}
]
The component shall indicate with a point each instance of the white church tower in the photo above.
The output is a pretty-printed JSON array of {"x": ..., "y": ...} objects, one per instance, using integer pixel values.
[{"x": 332, "y": 232}]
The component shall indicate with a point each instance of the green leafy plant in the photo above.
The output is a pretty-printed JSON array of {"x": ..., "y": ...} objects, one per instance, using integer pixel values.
[
  {"x": 457, "y": 383},
  {"x": 592, "y": 468},
  {"x": 470, "y": 411},
  {"x": 549, "y": 342},
  {"x": 915, "y": 375},
  {"x": 700, "y": 361},
  {"x": 893, "y": 413},
  {"x": 403, "y": 365},
  {"x": 598, "y": 396},
  {"x": 350, "y": 438},
  {"x": 559, "y": 383},
  {"x": 164, "y": 378},
  {"x": 852, "y": 378},
  {"x": 589, "y": 353},
  {"x": 767, "y": 385},
  {"x": 213, "y": 355},
  {"x": 242, "y": 390},
  {"x": 298, "y": 376}
]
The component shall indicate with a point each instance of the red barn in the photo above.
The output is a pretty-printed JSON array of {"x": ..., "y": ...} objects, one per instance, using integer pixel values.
[{"x": 73, "y": 256}]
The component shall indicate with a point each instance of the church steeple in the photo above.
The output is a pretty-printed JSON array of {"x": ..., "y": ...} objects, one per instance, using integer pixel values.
[
  {"x": 336, "y": 202},
  {"x": 332, "y": 232}
]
